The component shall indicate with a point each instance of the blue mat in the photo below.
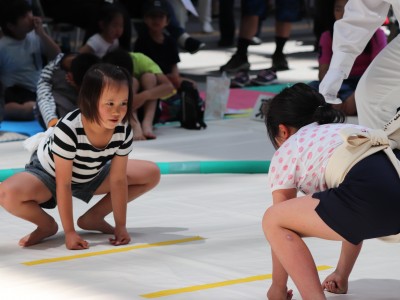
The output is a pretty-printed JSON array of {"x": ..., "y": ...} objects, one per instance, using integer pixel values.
[{"x": 28, "y": 128}]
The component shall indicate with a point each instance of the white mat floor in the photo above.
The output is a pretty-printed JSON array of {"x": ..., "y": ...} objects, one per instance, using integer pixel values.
[{"x": 194, "y": 236}]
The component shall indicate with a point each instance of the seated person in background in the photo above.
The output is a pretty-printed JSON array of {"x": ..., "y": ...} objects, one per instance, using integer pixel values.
[
  {"x": 84, "y": 14},
  {"x": 110, "y": 28},
  {"x": 177, "y": 32},
  {"x": 156, "y": 44},
  {"x": 346, "y": 92},
  {"x": 22, "y": 47},
  {"x": 59, "y": 83},
  {"x": 163, "y": 49},
  {"x": 150, "y": 85}
]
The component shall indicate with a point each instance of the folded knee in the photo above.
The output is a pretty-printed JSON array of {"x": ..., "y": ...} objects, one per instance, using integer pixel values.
[
  {"x": 269, "y": 221},
  {"x": 6, "y": 197},
  {"x": 154, "y": 174}
]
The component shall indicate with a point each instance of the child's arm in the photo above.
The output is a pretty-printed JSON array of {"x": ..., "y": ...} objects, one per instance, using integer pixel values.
[
  {"x": 50, "y": 48},
  {"x": 338, "y": 281},
  {"x": 119, "y": 199},
  {"x": 163, "y": 89},
  {"x": 64, "y": 201},
  {"x": 278, "y": 288},
  {"x": 45, "y": 99},
  {"x": 86, "y": 49},
  {"x": 322, "y": 70}
]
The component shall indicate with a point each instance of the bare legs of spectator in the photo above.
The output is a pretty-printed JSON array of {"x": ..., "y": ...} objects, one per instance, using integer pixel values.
[
  {"x": 282, "y": 34},
  {"x": 239, "y": 61},
  {"x": 204, "y": 10}
]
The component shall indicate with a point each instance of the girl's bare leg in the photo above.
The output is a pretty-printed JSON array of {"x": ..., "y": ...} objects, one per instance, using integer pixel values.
[
  {"x": 142, "y": 177},
  {"x": 21, "y": 195},
  {"x": 283, "y": 225}
]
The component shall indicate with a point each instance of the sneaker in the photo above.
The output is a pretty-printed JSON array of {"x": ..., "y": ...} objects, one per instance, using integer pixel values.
[
  {"x": 279, "y": 62},
  {"x": 193, "y": 46},
  {"x": 255, "y": 41},
  {"x": 207, "y": 27},
  {"x": 265, "y": 77},
  {"x": 236, "y": 64},
  {"x": 240, "y": 80}
]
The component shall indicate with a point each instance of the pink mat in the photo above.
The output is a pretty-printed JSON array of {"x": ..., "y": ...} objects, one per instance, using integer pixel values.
[{"x": 241, "y": 99}]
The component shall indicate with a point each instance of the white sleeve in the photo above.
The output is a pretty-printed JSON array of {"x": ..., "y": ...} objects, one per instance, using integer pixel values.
[{"x": 351, "y": 34}]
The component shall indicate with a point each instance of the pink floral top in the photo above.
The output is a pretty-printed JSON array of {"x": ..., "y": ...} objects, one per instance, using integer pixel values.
[{"x": 301, "y": 160}]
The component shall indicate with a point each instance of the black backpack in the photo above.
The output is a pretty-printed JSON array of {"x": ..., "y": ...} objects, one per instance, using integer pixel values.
[{"x": 192, "y": 107}]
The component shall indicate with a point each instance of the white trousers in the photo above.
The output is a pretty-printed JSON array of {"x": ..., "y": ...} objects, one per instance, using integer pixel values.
[{"x": 378, "y": 91}]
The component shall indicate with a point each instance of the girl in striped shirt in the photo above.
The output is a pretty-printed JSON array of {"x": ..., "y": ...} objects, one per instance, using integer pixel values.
[{"x": 86, "y": 154}]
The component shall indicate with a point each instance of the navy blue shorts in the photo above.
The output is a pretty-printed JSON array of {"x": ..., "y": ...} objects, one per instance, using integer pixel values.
[
  {"x": 367, "y": 203},
  {"x": 253, "y": 7},
  {"x": 83, "y": 191},
  {"x": 289, "y": 10}
]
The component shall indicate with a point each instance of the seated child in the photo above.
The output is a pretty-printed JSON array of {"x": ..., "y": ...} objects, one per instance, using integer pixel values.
[
  {"x": 163, "y": 49},
  {"x": 110, "y": 29},
  {"x": 160, "y": 47},
  {"x": 59, "y": 83},
  {"x": 346, "y": 92},
  {"x": 22, "y": 47},
  {"x": 150, "y": 85}
]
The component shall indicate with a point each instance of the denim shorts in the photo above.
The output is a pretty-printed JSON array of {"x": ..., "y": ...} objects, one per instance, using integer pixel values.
[
  {"x": 289, "y": 10},
  {"x": 83, "y": 191},
  {"x": 253, "y": 7}
]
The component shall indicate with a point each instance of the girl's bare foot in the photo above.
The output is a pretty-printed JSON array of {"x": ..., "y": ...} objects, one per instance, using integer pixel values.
[
  {"x": 92, "y": 224},
  {"x": 278, "y": 294},
  {"x": 38, "y": 235}
]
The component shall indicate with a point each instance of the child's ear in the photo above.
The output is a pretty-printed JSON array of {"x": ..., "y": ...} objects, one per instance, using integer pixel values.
[
  {"x": 70, "y": 79},
  {"x": 284, "y": 131}
]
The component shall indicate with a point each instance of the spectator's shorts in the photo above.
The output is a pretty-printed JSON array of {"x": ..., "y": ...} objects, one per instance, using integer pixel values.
[
  {"x": 253, "y": 7},
  {"x": 289, "y": 10}
]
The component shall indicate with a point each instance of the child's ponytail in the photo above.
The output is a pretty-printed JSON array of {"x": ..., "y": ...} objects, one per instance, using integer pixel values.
[{"x": 298, "y": 106}]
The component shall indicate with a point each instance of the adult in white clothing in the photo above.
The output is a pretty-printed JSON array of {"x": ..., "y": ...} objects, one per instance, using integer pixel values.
[{"x": 377, "y": 91}]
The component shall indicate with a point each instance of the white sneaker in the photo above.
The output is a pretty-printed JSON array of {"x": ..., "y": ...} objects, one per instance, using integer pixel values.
[{"x": 207, "y": 27}]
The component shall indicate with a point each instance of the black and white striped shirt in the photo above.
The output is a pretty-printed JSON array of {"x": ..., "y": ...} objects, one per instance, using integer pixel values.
[{"x": 69, "y": 141}]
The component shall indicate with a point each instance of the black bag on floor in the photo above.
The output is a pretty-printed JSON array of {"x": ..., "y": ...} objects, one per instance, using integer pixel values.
[{"x": 192, "y": 107}]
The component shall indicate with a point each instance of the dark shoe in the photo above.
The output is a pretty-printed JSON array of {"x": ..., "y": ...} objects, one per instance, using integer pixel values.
[
  {"x": 240, "y": 80},
  {"x": 279, "y": 62},
  {"x": 193, "y": 46},
  {"x": 236, "y": 64},
  {"x": 265, "y": 77}
]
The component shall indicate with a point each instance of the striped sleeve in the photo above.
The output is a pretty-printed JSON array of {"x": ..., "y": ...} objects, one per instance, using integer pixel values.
[
  {"x": 64, "y": 141},
  {"x": 45, "y": 99},
  {"x": 127, "y": 145}
]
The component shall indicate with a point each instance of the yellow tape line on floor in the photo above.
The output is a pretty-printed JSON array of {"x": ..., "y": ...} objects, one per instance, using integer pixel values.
[
  {"x": 200, "y": 287},
  {"x": 111, "y": 251}
]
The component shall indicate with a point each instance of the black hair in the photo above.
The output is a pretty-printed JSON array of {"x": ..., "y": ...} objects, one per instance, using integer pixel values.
[
  {"x": 107, "y": 13},
  {"x": 297, "y": 106},
  {"x": 95, "y": 81},
  {"x": 80, "y": 64},
  {"x": 11, "y": 11},
  {"x": 121, "y": 58}
]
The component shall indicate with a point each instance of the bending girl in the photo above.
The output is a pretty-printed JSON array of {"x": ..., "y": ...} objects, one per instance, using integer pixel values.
[
  {"x": 305, "y": 131},
  {"x": 85, "y": 155}
]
